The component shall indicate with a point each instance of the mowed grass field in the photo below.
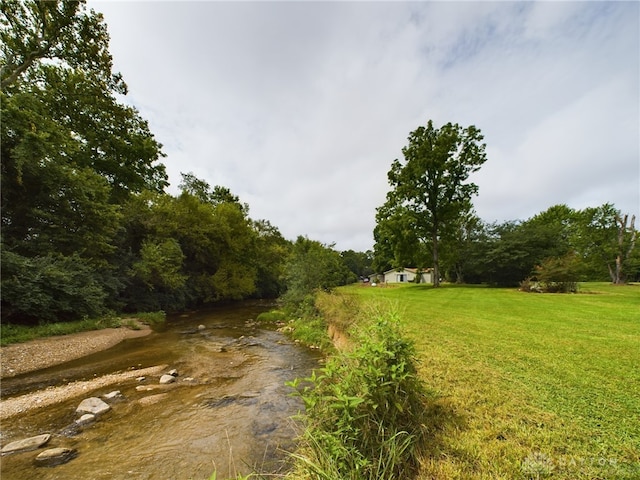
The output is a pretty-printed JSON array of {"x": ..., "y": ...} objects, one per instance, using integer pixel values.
[{"x": 525, "y": 385}]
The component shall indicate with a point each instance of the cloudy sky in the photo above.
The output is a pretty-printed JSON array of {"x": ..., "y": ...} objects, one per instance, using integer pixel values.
[{"x": 300, "y": 107}]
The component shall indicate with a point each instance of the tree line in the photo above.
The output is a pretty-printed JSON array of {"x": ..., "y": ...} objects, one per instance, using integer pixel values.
[
  {"x": 87, "y": 224},
  {"x": 428, "y": 220}
]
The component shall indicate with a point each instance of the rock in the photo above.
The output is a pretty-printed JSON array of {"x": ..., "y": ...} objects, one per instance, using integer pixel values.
[
  {"x": 216, "y": 347},
  {"x": 152, "y": 399},
  {"x": 141, "y": 379},
  {"x": 167, "y": 379},
  {"x": 26, "y": 444},
  {"x": 249, "y": 395},
  {"x": 157, "y": 386},
  {"x": 173, "y": 373},
  {"x": 113, "y": 395},
  {"x": 71, "y": 430},
  {"x": 93, "y": 405},
  {"x": 55, "y": 456},
  {"x": 201, "y": 327},
  {"x": 145, "y": 388},
  {"x": 86, "y": 419}
]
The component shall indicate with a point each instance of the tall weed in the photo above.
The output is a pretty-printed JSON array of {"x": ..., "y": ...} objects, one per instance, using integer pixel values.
[{"x": 364, "y": 409}]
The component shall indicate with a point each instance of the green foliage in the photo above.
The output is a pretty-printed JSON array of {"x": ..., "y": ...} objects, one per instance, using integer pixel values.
[
  {"x": 160, "y": 264},
  {"x": 341, "y": 311},
  {"x": 85, "y": 218},
  {"x": 364, "y": 409},
  {"x": 187, "y": 251},
  {"x": 505, "y": 254},
  {"x": 429, "y": 190},
  {"x": 272, "y": 317},
  {"x": 34, "y": 31},
  {"x": 559, "y": 274},
  {"x": 156, "y": 320},
  {"x": 271, "y": 251},
  {"x": 310, "y": 330},
  {"x": 359, "y": 263},
  {"x": 15, "y": 333},
  {"x": 311, "y": 266},
  {"x": 49, "y": 288},
  {"x": 200, "y": 189},
  {"x": 72, "y": 154}
]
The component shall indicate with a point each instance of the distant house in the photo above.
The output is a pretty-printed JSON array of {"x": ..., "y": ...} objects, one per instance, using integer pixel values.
[{"x": 403, "y": 275}]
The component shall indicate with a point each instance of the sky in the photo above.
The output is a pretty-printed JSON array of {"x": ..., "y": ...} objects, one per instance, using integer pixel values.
[{"x": 299, "y": 108}]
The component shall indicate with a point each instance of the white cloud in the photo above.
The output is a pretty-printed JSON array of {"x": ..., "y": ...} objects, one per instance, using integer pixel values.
[{"x": 299, "y": 108}]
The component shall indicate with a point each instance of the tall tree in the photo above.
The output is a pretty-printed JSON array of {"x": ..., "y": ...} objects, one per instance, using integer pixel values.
[
  {"x": 459, "y": 255},
  {"x": 72, "y": 153},
  {"x": 272, "y": 251},
  {"x": 430, "y": 187},
  {"x": 606, "y": 240},
  {"x": 358, "y": 262},
  {"x": 32, "y": 31},
  {"x": 625, "y": 244},
  {"x": 313, "y": 265}
]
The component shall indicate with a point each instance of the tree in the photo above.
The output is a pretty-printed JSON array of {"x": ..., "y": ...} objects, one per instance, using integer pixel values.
[
  {"x": 313, "y": 265},
  {"x": 32, "y": 31},
  {"x": 429, "y": 188},
  {"x": 559, "y": 274},
  {"x": 606, "y": 240},
  {"x": 358, "y": 262},
  {"x": 202, "y": 191},
  {"x": 460, "y": 253},
  {"x": 72, "y": 153},
  {"x": 514, "y": 249},
  {"x": 160, "y": 264},
  {"x": 625, "y": 244},
  {"x": 49, "y": 287},
  {"x": 272, "y": 250}
]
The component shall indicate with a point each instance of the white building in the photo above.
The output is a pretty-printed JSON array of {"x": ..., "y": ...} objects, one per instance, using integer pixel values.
[{"x": 404, "y": 275}]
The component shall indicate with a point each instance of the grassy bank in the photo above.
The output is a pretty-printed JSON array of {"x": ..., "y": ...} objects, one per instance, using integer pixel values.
[
  {"x": 10, "y": 333},
  {"x": 527, "y": 385}
]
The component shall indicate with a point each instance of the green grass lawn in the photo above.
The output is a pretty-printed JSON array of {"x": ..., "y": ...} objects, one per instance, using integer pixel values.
[{"x": 525, "y": 385}]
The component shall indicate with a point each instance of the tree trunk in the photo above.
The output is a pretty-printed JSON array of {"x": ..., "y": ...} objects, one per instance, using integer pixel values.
[
  {"x": 617, "y": 276},
  {"x": 436, "y": 261}
]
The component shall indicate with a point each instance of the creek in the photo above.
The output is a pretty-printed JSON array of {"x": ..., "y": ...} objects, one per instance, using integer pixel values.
[{"x": 229, "y": 410}]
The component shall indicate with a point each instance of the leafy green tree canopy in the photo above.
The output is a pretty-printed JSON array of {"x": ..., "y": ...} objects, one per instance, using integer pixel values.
[
  {"x": 429, "y": 188},
  {"x": 72, "y": 152},
  {"x": 313, "y": 265}
]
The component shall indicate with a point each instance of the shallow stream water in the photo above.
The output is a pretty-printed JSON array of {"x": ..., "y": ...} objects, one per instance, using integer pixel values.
[{"x": 228, "y": 411}]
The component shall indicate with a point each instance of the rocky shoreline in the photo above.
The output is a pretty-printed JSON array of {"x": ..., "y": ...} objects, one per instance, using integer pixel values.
[
  {"x": 52, "y": 395},
  {"x": 37, "y": 354},
  {"x": 87, "y": 412}
]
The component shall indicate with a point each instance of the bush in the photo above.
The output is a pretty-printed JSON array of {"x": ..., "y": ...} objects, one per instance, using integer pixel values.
[
  {"x": 559, "y": 274},
  {"x": 49, "y": 288},
  {"x": 272, "y": 317},
  {"x": 364, "y": 410},
  {"x": 156, "y": 320}
]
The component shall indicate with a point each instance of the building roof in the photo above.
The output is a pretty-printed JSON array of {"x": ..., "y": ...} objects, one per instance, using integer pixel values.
[{"x": 409, "y": 269}]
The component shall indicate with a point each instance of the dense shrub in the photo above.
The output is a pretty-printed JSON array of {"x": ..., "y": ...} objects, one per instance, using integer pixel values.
[
  {"x": 49, "y": 288},
  {"x": 364, "y": 410},
  {"x": 558, "y": 274}
]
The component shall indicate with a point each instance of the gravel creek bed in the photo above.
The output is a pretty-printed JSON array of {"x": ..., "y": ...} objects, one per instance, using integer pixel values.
[{"x": 33, "y": 355}]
